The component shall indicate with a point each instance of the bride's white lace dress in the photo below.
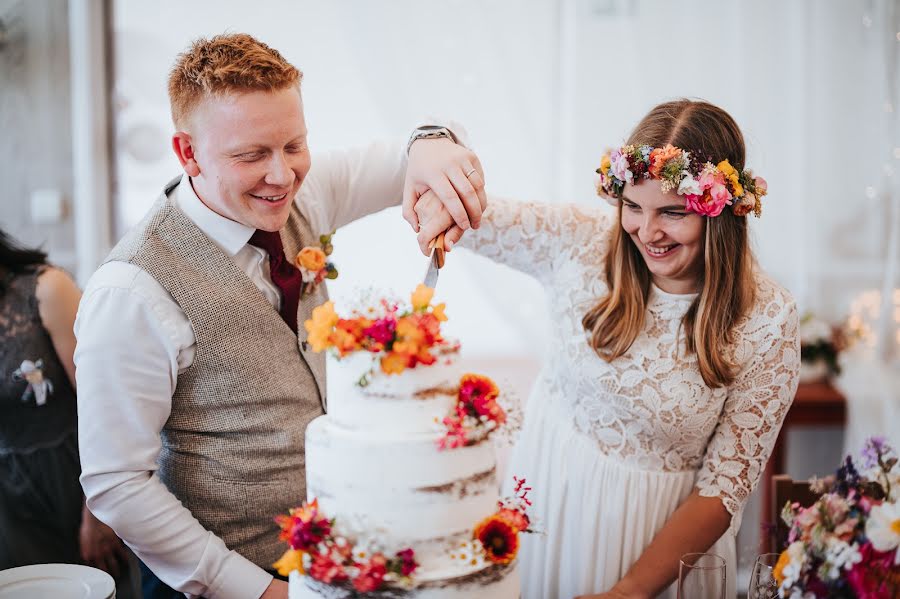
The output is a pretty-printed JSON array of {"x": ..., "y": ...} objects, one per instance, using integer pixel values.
[{"x": 612, "y": 449}]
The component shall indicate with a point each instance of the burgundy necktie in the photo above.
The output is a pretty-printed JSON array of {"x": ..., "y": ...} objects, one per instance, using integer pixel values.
[{"x": 284, "y": 274}]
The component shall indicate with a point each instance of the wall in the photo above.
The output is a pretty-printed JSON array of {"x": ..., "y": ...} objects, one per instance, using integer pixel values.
[{"x": 35, "y": 145}]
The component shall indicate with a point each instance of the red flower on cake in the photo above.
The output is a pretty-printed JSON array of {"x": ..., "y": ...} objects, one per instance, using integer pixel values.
[
  {"x": 499, "y": 537},
  {"x": 326, "y": 569},
  {"x": 371, "y": 574},
  {"x": 305, "y": 527}
]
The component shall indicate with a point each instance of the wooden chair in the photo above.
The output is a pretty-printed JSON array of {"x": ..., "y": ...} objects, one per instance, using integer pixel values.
[{"x": 784, "y": 490}]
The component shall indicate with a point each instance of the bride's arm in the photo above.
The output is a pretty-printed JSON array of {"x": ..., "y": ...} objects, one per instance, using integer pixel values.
[
  {"x": 693, "y": 528},
  {"x": 527, "y": 236}
]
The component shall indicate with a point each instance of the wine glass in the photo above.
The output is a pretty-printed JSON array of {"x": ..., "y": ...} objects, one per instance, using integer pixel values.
[
  {"x": 762, "y": 582},
  {"x": 701, "y": 576}
]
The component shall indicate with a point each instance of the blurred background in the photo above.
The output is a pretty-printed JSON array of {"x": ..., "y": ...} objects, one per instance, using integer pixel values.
[{"x": 542, "y": 88}]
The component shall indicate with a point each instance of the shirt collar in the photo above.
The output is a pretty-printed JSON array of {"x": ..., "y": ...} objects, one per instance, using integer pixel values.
[{"x": 229, "y": 235}]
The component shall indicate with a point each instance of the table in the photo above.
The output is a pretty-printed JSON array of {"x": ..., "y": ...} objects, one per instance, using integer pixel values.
[{"x": 815, "y": 404}]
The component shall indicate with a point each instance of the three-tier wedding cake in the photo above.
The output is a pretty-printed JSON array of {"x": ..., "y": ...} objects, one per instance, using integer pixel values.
[{"x": 401, "y": 476}]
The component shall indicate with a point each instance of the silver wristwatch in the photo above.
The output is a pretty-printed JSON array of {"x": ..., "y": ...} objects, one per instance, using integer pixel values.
[{"x": 429, "y": 132}]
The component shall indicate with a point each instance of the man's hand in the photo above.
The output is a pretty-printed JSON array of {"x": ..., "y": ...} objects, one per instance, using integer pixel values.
[
  {"x": 434, "y": 219},
  {"x": 277, "y": 589},
  {"x": 455, "y": 175},
  {"x": 99, "y": 545}
]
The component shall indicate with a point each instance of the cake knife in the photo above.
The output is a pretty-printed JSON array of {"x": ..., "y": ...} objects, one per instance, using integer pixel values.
[{"x": 435, "y": 262}]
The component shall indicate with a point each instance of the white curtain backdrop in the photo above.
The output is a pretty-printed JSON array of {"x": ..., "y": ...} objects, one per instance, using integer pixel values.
[{"x": 543, "y": 86}]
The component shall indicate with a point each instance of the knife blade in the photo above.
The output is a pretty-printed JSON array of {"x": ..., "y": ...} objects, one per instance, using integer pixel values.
[{"x": 435, "y": 262}]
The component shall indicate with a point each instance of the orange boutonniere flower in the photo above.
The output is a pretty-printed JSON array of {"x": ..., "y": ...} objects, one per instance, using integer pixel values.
[{"x": 313, "y": 264}]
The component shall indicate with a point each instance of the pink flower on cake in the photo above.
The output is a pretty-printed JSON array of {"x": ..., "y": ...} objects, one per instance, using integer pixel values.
[{"x": 408, "y": 563}]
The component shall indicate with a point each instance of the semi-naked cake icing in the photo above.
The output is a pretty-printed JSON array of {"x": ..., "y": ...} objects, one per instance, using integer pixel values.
[
  {"x": 374, "y": 465},
  {"x": 401, "y": 473}
]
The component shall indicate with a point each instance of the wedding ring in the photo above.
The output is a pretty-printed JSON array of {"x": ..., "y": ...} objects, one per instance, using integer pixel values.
[{"x": 469, "y": 174}]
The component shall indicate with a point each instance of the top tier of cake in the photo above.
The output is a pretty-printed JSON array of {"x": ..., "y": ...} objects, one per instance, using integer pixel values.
[{"x": 414, "y": 401}]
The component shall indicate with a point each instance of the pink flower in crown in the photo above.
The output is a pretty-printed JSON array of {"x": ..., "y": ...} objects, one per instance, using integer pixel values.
[
  {"x": 720, "y": 194},
  {"x": 703, "y": 205},
  {"x": 761, "y": 186},
  {"x": 620, "y": 167},
  {"x": 710, "y": 176}
]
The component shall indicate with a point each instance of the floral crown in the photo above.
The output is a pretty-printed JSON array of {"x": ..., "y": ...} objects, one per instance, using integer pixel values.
[{"x": 707, "y": 188}]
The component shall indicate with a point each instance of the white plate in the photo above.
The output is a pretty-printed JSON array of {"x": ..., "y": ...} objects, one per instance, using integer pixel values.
[{"x": 60, "y": 581}]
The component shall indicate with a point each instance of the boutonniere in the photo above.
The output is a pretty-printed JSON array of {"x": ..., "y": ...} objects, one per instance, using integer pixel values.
[{"x": 314, "y": 266}]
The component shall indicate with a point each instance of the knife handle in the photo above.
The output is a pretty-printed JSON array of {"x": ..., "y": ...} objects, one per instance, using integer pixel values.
[{"x": 437, "y": 245}]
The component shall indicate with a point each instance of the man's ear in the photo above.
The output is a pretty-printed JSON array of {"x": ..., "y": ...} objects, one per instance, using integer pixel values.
[{"x": 184, "y": 150}]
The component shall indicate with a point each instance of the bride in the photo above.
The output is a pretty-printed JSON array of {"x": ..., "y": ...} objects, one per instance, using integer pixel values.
[{"x": 673, "y": 361}]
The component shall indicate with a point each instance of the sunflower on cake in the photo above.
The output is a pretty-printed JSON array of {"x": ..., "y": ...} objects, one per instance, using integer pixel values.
[{"x": 402, "y": 497}]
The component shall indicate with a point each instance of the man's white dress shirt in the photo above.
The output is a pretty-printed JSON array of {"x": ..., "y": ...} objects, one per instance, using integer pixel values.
[{"x": 133, "y": 342}]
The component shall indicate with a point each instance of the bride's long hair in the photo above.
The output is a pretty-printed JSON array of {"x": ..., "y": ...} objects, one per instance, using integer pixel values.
[{"x": 726, "y": 287}]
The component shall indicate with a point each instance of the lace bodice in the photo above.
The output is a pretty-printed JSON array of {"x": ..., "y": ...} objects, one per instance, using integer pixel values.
[{"x": 650, "y": 408}]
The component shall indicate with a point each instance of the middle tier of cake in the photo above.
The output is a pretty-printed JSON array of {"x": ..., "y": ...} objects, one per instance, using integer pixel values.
[{"x": 400, "y": 490}]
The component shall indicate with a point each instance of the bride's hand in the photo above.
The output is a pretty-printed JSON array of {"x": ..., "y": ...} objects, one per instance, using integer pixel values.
[
  {"x": 624, "y": 589},
  {"x": 434, "y": 219}
]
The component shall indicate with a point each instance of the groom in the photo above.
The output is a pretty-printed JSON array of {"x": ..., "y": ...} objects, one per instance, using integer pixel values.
[{"x": 195, "y": 382}]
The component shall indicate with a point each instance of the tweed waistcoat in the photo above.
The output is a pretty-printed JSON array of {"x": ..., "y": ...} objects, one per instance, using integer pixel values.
[{"x": 233, "y": 446}]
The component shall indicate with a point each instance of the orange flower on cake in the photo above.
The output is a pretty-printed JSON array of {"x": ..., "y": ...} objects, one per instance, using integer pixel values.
[{"x": 499, "y": 537}]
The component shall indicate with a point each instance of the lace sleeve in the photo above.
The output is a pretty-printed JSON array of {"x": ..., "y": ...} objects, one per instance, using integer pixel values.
[
  {"x": 768, "y": 345},
  {"x": 533, "y": 237}
]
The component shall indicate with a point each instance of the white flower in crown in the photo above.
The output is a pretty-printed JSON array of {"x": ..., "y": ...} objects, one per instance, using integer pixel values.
[{"x": 689, "y": 185}]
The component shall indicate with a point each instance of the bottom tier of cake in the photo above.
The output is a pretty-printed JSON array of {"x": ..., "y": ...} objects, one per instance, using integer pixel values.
[{"x": 495, "y": 581}]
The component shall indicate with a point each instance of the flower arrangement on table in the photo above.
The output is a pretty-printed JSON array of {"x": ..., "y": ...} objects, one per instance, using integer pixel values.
[
  {"x": 495, "y": 539},
  {"x": 397, "y": 337},
  {"x": 319, "y": 552},
  {"x": 475, "y": 415},
  {"x": 820, "y": 346},
  {"x": 845, "y": 545}
]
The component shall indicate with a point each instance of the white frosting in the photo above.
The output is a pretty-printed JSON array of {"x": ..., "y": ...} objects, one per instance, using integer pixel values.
[
  {"x": 413, "y": 401},
  {"x": 374, "y": 466},
  {"x": 400, "y": 489}
]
